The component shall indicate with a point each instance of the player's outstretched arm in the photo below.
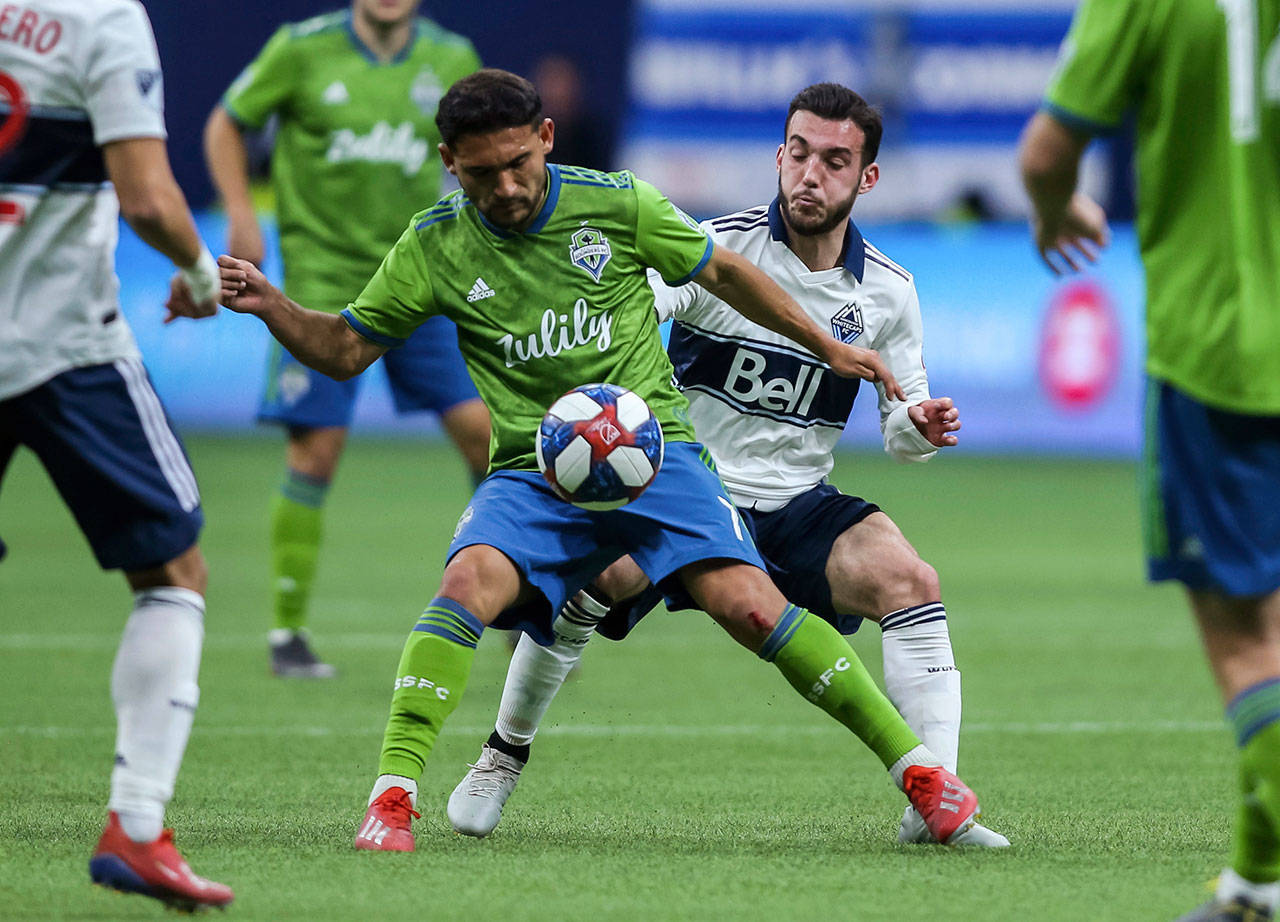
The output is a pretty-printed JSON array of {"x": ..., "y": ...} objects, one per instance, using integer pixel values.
[
  {"x": 745, "y": 288},
  {"x": 321, "y": 341},
  {"x": 1067, "y": 226},
  {"x": 153, "y": 205}
]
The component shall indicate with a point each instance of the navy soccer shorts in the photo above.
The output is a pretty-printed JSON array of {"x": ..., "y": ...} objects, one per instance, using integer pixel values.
[
  {"x": 103, "y": 436},
  {"x": 1211, "y": 495},
  {"x": 425, "y": 374},
  {"x": 795, "y": 542},
  {"x": 685, "y": 516}
]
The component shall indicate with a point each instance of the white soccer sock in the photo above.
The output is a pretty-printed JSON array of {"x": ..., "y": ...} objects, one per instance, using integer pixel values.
[
  {"x": 536, "y": 672},
  {"x": 1231, "y": 885},
  {"x": 386, "y": 782},
  {"x": 921, "y": 678},
  {"x": 153, "y": 686}
]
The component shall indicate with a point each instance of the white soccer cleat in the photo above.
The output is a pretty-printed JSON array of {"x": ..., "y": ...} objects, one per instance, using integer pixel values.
[
  {"x": 475, "y": 806},
  {"x": 913, "y": 831}
]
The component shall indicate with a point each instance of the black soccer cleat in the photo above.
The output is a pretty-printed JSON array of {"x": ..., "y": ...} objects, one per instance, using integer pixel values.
[{"x": 292, "y": 658}]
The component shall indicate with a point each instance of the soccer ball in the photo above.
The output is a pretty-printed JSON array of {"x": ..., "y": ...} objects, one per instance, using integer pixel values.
[{"x": 599, "y": 446}]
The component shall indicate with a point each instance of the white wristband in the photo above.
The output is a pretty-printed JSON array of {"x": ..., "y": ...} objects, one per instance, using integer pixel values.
[{"x": 203, "y": 278}]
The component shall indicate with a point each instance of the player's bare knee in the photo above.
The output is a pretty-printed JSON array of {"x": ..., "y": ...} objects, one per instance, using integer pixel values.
[
  {"x": 462, "y": 581},
  {"x": 186, "y": 571},
  {"x": 907, "y": 582},
  {"x": 622, "y": 579}
]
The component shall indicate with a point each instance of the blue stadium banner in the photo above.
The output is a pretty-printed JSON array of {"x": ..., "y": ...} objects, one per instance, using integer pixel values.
[
  {"x": 1036, "y": 364},
  {"x": 710, "y": 83}
]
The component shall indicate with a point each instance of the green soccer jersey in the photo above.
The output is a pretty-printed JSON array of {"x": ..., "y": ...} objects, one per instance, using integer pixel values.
[
  {"x": 1203, "y": 78},
  {"x": 564, "y": 303},
  {"x": 355, "y": 152}
]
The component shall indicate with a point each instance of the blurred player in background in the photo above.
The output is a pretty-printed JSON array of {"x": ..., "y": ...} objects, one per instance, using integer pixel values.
[
  {"x": 771, "y": 413},
  {"x": 355, "y": 93},
  {"x": 1203, "y": 77},
  {"x": 545, "y": 240},
  {"x": 81, "y": 112}
]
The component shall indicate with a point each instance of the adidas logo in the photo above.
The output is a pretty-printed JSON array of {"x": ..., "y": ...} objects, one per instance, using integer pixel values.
[
  {"x": 479, "y": 291},
  {"x": 336, "y": 93},
  {"x": 374, "y": 831}
]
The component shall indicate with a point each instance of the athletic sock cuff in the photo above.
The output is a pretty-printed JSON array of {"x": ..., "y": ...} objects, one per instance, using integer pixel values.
[
  {"x": 304, "y": 489},
  {"x": 516, "y": 751},
  {"x": 171, "y": 595},
  {"x": 446, "y": 618},
  {"x": 920, "y": 755},
  {"x": 792, "y": 617},
  {"x": 913, "y": 616},
  {"x": 591, "y": 602},
  {"x": 1254, "y": 708}
]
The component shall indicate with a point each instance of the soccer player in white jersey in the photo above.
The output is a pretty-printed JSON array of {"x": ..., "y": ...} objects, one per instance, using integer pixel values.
[
  {"x": 771, "y": 413},
  {"x": 82, "y": 141}
]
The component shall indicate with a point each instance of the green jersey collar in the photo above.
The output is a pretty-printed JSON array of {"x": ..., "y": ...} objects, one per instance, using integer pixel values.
[
  {"x": 403, "y": 54},
  {"x": 548, "y": 206}
]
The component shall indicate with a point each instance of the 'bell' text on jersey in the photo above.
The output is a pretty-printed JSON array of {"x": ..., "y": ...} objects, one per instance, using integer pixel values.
[
  {"x": 769, "y": 410},
  {"x": 564, "y": 303},
  {"x": 74, "y": 75},
  {"x": 355, "y": 154}
]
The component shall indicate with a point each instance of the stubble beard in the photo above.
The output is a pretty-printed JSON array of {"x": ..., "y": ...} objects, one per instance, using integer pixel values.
[{"x": 809, "y": 227}]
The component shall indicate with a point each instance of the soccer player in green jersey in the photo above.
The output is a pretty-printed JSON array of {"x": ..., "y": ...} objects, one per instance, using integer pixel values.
[
  {"x": 1203, "y": 78},
  {"x": 543, "y": 269},
  {"x": 355, "y": 93}
]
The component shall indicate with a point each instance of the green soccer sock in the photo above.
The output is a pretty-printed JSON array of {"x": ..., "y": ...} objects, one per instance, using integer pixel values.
[
  {"x": 429, "y": 683},
  {"x": 820, "y": 664},
  {"x": 297, "y": 514},
  {"x": 1255, "y": 715}
]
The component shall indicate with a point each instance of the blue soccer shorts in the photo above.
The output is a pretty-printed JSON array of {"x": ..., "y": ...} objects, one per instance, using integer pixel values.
[
  {"x": 685, "y": 516},
  {"x": 103, "y": 436},
  {"x": 1211, "y": 495},
  {"x": 795, "y": 542},
  {"x": 427, "y": 373}
]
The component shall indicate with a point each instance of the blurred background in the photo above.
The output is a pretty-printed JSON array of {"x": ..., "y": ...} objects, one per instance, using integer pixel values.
[{"x": 690, "y": 94}]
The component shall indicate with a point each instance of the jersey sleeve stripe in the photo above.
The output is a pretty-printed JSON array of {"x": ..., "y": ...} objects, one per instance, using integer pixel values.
[
  {"x": 702, "y": 264},
  {"x": 381, "y": 339},
  {"x": 892, "y": 267},
  {"x": 1075, "y": 121},
  {"x": 434, "y": 219},
  {"x": 739, "y": 225}
]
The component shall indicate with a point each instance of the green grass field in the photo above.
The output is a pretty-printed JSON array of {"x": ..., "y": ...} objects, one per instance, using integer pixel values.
[{"x": 678, "y": 777}]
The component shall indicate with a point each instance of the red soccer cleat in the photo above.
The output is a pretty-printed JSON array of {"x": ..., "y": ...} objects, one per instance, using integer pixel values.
[
  {"x": 387, "y": 826},
  {"x": 945, "y": 802},
  {"x": 154, "y": 869}
]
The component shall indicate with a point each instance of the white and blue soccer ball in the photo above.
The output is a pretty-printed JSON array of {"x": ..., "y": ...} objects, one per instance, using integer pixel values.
[{"x": 599, "y": 446}]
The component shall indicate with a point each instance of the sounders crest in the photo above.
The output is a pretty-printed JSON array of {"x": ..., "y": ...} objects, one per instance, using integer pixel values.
[{"x": 589, "y": 250}]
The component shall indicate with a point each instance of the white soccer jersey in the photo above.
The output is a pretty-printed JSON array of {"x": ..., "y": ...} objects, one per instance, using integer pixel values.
[
  {"x": 74, "y": 75},
  {"x": 769, "y": 411}
]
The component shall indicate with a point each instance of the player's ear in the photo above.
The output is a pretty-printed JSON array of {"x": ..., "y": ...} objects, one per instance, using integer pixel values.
[
  {"x": 547, "y": 135},
  {"x": 778, "y": 159},
  {"x": 870, "y": 176},
  {"x": 446, "y": 157}
]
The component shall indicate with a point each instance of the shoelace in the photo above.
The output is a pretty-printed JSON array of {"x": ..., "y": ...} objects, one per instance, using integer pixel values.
[
  {"x": 401, "y": 807},
  {"x": 489, "y": 775}
]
